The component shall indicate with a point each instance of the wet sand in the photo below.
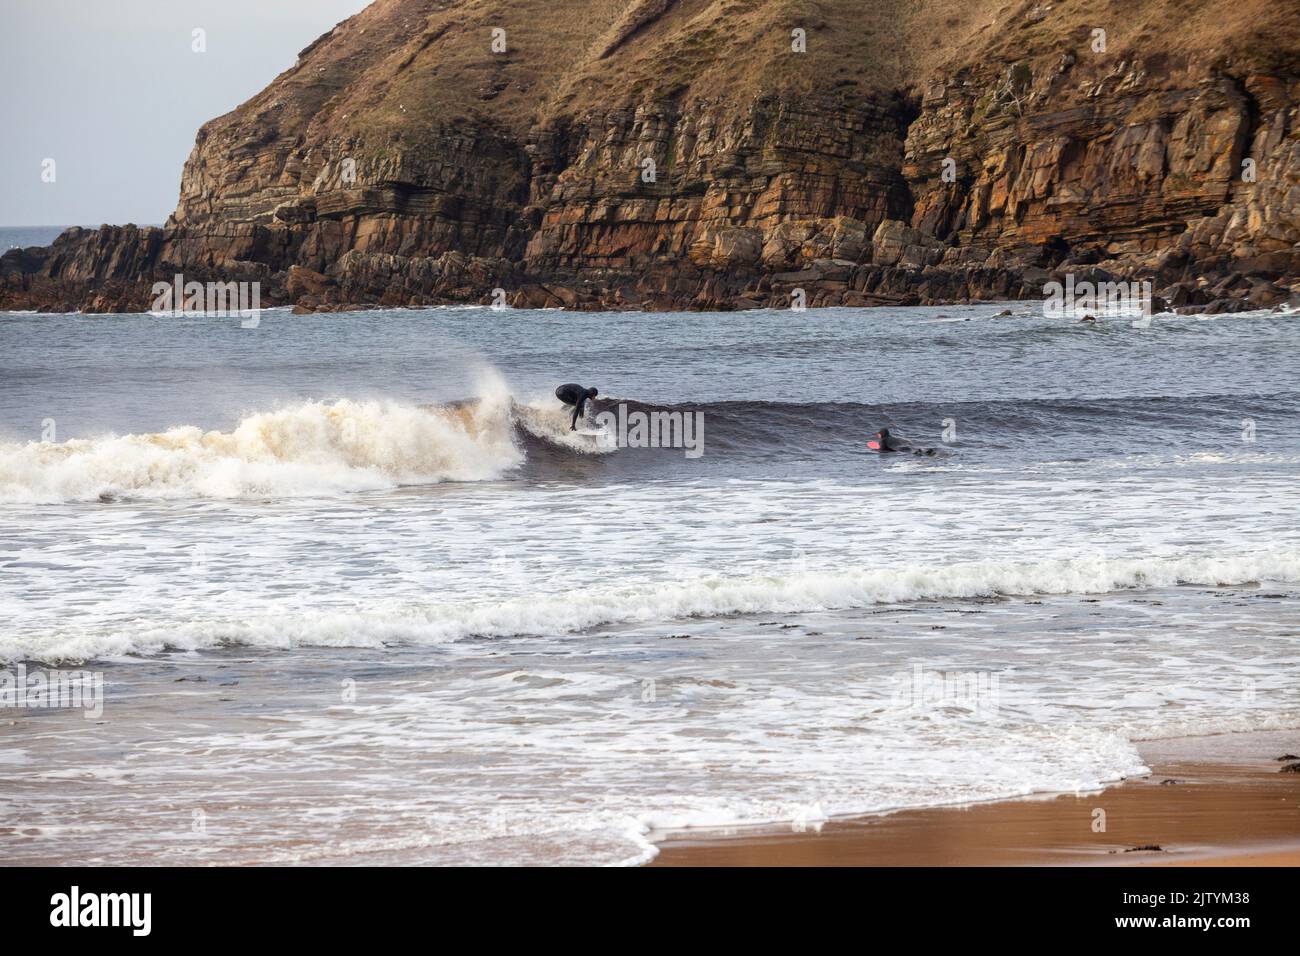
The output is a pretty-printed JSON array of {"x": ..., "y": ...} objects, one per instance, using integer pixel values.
[{"x": 1209, "y": 801}]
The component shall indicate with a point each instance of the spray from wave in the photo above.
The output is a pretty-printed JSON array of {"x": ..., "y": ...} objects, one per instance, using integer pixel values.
[
  {"x": 310, "y": 448},
  {"x": 306, "y": 449}
]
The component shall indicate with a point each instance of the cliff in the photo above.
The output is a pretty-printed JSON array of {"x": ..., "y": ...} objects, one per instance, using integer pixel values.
[{"x": 687, "y": 154}]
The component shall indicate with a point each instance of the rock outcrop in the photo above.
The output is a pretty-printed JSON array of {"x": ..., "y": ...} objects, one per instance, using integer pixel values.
[{"x": 719, "y": 154}]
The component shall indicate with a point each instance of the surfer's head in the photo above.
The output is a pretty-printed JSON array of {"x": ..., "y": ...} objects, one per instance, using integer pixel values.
[{"x": 593, "y": 392}]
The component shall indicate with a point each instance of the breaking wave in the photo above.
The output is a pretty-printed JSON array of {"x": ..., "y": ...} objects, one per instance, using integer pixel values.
[
  {"x": 317, "y": 448},
  {"x": 311, "y": 448},
  {"x": 702, "y": 596}
]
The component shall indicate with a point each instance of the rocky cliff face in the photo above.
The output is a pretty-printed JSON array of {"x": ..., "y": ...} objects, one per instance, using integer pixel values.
[{"x": 734, "y": 153}]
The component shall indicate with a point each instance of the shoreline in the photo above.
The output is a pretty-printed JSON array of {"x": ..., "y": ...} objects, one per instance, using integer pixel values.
[
  {"x": 1208, "y": 801},
  {"x": 890, "y": 264}
]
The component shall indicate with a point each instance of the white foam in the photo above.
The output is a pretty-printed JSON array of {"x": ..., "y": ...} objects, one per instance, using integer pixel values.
[
  {"x": 302, "y": 450},
  {"x": 306, "y": 449},
  {"x": 379, "y": 623},
  {"x": 543, "y": 418}
]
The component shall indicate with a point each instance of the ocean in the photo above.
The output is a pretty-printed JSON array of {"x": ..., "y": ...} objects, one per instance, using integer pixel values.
[
  {"x": 356, "y": 594},
  {"x": 21, "y": 237}
]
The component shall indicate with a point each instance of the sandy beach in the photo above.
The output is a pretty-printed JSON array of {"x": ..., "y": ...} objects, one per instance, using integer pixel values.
[{"x": 1209, "y": 801}]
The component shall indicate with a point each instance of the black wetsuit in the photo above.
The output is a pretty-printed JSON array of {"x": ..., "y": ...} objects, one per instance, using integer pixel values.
[
  {"x": 890, "y": 442},
  {"x": 577, "y": 396}
]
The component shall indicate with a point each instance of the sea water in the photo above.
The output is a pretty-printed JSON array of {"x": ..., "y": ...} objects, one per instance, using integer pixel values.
[{"x": 357, "y": 594}]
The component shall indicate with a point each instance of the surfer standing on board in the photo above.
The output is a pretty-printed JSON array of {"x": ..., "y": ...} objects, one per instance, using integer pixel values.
[{"x": 577, "y": 396}]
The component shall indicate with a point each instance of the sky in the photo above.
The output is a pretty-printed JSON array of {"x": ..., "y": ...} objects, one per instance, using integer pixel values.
[{"x": 113, "y": 92}]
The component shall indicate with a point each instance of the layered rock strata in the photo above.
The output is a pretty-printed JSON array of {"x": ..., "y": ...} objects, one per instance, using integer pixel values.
[{"x": 665, "y": 154}]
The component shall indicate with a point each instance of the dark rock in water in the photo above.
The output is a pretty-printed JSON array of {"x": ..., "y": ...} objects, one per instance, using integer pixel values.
[
  {"x": 1226, "y": 305},
  {"x": 1149, "y": 848},
  {"x": 1265, "y": 294},
  {"x": 1184, "y": 294},
  {"x": 1291, "y": 768},
  {"x": 107, "y": 497},
  {"x": 1286, "y": 757},
  {"x": 387, "y": 168}
]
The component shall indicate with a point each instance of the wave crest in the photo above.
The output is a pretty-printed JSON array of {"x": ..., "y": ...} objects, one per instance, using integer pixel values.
[
  {"x": 706, "y": 595},
  {"x": 311, "y": 448}
]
